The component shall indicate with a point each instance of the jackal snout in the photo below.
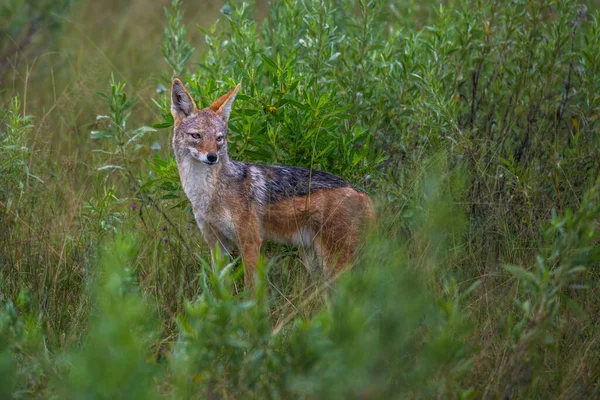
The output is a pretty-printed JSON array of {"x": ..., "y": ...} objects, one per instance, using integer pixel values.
[
  {"x": 206, "y": 158},
  {"x": 209, "y": 148}
]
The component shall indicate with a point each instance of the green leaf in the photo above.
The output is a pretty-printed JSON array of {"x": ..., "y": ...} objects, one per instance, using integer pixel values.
[
  {"x": 522, "y": 274},
  {"x": 294, "y": 103},
  {"x": 270, "y": 63},
  {"x": 573, "y": 306},
  {"x": 170, "y": 196},
  {"x": 162, "y": 125},
  {"x": 110, "y": 168},
  {"x": 102, "y": 135},
  {"x": 138, "y": 133}
]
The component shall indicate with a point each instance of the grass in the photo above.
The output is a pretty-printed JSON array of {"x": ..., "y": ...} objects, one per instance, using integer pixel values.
[{"x": 474, "y": 126}]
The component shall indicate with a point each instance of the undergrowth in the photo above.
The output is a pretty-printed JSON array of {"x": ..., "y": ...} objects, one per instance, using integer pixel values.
[{"x": 474, "y": 126}]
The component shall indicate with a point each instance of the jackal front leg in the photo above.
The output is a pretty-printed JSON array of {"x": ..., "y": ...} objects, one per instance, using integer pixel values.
[
  {"x": 248, "y": 238},
  {"x": 213, "y": 238}
]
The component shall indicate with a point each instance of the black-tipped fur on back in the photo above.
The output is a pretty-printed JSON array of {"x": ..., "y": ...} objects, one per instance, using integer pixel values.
[
  {"x": 285, "y": 181},
  {"x": 273, "y": 183}
]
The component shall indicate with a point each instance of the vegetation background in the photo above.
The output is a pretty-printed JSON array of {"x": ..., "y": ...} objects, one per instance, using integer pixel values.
[{"x": 474, "y": 125}]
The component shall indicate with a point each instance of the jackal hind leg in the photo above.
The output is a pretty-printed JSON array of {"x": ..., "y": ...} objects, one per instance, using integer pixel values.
[{"x": 336, "y": 242}]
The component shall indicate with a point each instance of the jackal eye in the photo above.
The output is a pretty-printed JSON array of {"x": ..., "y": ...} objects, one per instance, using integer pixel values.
[
  {"x": 195, "y": 135},
  {"x": 219, "y": 139}
]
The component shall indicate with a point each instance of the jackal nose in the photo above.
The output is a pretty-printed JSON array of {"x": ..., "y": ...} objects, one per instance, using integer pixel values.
[{"x": 212, "y": 157}]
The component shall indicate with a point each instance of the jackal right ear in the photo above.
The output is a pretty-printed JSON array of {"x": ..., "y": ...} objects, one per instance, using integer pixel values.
[
  {"x": 222, "y": 106},
  {"x": 182, "y": 103}
]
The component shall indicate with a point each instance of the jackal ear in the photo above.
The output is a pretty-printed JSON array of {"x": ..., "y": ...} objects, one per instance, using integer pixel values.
[
  {"x": 222, "y": 106},
  {"x": 182, "y": 103}
]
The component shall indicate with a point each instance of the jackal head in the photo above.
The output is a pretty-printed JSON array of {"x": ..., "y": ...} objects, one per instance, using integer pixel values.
[{"x": 200, "y": 133}]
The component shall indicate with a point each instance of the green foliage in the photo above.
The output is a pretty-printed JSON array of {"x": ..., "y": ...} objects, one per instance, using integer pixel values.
[
  {"x": 165, "y": 179},
  {"x": 224, "y": 341},
  {"x": 393, "y": 342},
  {"x": 20, "y": 339},
  {"x": 175, "y": 48},
  {"x": 113, "y": 362},
  {"x": 474, "y": 125},
  {"x": 115, "y": 127},
  {"x": 101, "y": 212},
  {"x": 572, "y": 250},
  {"x": 15, "y": 156}
]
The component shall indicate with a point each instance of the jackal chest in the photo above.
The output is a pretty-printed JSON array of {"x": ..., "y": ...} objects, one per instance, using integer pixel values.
[
  {"x": 209, "y": 212},
  {"x": 218, "y": 221},
  {"x": 200, "y": 185}
]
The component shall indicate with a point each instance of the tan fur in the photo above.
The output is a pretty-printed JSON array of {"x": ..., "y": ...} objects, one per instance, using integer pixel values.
[
  {"x": 217, "y": 105},
  {"x": 333, "y": 218}
]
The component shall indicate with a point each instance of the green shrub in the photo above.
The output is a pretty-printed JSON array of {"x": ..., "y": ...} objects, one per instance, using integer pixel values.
[
  {"x": 22, "y": 366},
  {"x": 15, "y": 155},
  {"x": 224, "y": 346},
  {"x": 114, "y": 359}
]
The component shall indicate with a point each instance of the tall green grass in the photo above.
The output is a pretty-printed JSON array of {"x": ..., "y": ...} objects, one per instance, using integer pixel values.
[{"x": 474, "y": 126}]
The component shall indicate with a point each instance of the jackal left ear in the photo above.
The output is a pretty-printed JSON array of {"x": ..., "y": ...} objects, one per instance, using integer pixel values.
[
  {"x": 222, "y": 106},
  {"x": 182, "y": 103}
]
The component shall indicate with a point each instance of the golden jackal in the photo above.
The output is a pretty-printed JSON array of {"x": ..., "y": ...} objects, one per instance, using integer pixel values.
[{"x": 241, "y": 204}]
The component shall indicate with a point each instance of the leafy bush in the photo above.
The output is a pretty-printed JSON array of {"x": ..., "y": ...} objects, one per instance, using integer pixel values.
[
  {"x": 561, "y": 268},
  {"x": 224, "y": 343},
  {"x": 113, "y": 360},
  {"x": 15, "y": 155},
  {"x": 21, "y": 366}
]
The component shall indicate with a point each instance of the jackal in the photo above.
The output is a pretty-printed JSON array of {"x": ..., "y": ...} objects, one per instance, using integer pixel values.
[{"x": 241, "y": 204}]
